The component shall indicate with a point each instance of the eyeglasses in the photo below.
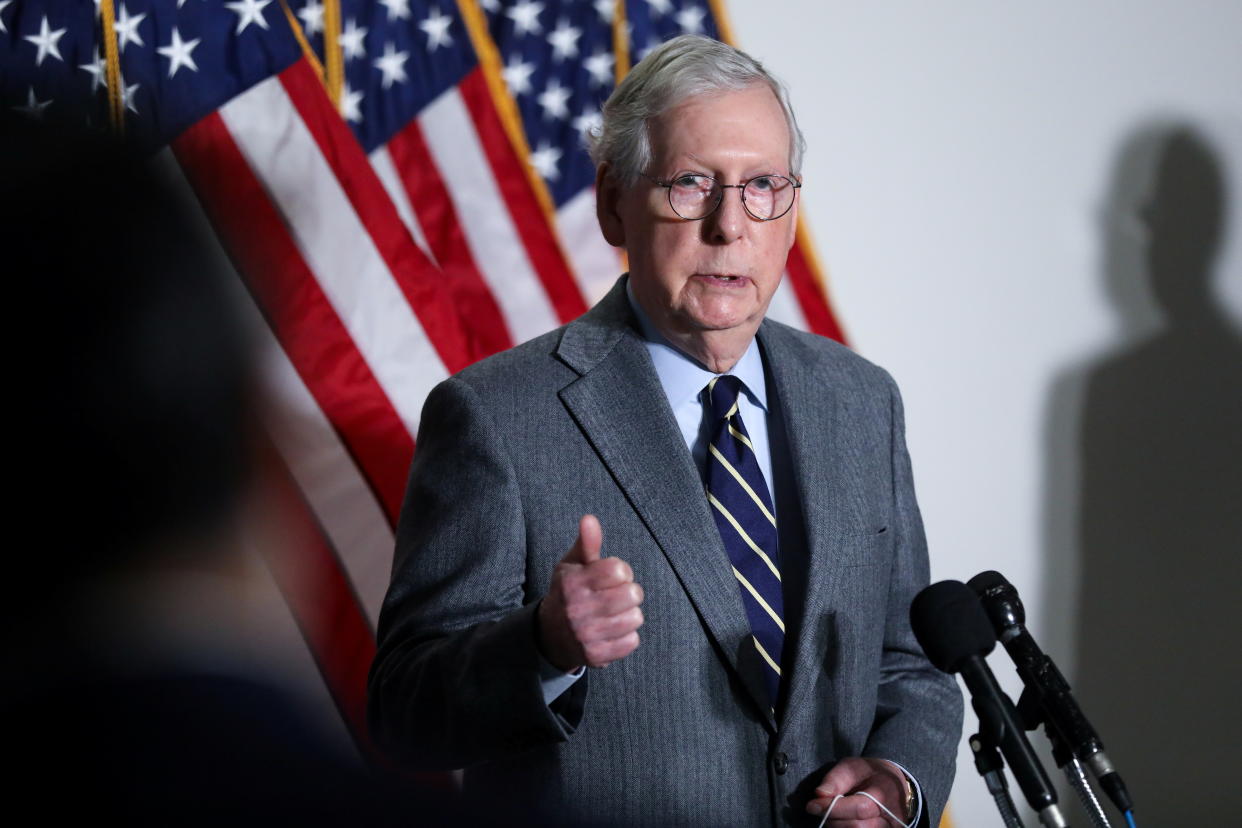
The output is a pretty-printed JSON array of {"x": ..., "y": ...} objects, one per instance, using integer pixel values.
[{"x": 694, "y": 197}]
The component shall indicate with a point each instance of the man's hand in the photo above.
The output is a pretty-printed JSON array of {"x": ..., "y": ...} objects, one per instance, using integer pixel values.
[
  {"x": 591, "y": 613},
  {"x": 881, "y": 779}
]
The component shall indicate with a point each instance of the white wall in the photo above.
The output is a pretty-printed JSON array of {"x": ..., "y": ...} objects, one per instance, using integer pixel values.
[{"x": 969, "y": 168}]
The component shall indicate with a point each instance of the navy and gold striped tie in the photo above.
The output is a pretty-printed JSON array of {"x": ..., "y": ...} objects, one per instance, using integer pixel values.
[{"x": 744, "y": 515}]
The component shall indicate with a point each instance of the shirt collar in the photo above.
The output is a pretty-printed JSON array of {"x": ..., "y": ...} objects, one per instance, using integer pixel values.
[{"x": 682, "y": 377}]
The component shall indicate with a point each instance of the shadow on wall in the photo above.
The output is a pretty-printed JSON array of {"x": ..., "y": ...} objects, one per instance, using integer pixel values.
[{"x": 1144, "y": 493}]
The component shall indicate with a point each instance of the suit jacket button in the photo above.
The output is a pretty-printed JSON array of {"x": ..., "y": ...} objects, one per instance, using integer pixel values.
[{"x": 780, "y": 763}]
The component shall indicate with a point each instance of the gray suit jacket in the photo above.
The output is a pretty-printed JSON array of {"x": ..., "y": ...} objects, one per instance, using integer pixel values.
[{"x": 515, "y": 449}]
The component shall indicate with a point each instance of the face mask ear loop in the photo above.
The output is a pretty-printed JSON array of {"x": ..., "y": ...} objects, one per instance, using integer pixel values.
[
  {"x": 831, "y": 805},
  {"x": 839, "y": 797}
]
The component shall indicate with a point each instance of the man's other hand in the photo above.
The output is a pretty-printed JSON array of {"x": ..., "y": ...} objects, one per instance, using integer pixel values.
[
  {"x": 881, "y": 779},
  {"x": 591, "y": 613}
]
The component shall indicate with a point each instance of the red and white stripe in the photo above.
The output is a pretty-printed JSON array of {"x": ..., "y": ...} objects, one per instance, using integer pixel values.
[
  {"x": 337, "y": 249},
  {"x": 358, "y": 327},
  {"x": 331, "y": 483},
  {"x": 459, "y": 183},
  {"x": 422, "y": 197}
]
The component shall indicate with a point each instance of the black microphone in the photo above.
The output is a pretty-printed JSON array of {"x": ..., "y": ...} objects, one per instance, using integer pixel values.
[
  {"x": 950, "y": 624},
  {"x": 1051, "y": 691}
]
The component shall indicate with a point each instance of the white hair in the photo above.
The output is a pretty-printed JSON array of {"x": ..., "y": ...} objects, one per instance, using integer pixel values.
[{"x": 671, "y": 74}]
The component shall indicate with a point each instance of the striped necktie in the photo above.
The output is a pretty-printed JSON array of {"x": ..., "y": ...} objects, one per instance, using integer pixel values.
[{"x": 744, "y": 515}]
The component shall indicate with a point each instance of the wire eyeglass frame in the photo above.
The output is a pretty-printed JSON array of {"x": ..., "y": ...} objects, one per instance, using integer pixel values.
[{"x": 718, "y": 188}]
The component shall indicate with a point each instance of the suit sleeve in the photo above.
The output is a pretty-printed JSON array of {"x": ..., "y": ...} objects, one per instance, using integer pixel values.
[
  {"x": 919, "y": 709},
  {"x": 456, "y": 677}
]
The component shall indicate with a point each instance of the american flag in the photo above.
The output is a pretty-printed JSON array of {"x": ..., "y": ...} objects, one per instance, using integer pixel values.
[
  {"x": 418, "y": 100},
  {"x": 402, "y": 188}
]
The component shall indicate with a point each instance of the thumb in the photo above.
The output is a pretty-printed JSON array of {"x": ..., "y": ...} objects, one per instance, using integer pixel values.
[{"x": 586, "y": 548}]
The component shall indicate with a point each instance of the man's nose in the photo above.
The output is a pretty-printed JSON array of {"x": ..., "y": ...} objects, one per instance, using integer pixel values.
[{"x": 728, "y": 222}]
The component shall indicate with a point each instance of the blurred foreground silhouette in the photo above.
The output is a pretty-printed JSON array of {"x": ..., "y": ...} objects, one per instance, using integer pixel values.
[{"x": 137, "y": 686}]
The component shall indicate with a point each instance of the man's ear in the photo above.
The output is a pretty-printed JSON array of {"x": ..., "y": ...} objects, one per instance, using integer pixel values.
[{"x": 608, "y": 205}]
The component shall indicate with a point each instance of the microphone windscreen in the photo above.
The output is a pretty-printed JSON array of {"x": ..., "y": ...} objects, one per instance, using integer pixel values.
[
  {"x": 984, "y": 581},
  {"x": 950, "y": 624}
]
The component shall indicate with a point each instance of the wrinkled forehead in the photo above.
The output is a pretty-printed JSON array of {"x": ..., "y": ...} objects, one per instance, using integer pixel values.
[{"x": 741, "y": 125}]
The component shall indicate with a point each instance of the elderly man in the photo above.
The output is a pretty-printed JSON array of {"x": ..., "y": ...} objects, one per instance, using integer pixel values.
[{"x": 738, "y": 489}]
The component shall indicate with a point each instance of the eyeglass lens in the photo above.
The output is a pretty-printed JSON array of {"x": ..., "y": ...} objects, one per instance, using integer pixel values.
[{"x": 695, "y": 197}]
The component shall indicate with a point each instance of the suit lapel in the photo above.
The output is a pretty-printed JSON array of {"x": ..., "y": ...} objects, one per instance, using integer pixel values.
[
  {"x": 620, "y": 406},
  {"x": 815, "y": 408}
]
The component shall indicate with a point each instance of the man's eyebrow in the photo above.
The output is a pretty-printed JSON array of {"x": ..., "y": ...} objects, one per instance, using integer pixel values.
[
  {"x": 695, "y": 161},
  {"x": 774, "y": 170}
]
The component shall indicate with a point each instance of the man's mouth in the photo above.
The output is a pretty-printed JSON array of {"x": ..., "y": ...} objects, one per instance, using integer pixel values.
[{"x": 722, "y": 278}]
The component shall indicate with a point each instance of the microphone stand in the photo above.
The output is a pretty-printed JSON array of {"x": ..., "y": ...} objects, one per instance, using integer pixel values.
[
  {"x": 1078, "y": 779},
  {"x": 1032, "y": 715},
  {"x": 991, "y": 767}
]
